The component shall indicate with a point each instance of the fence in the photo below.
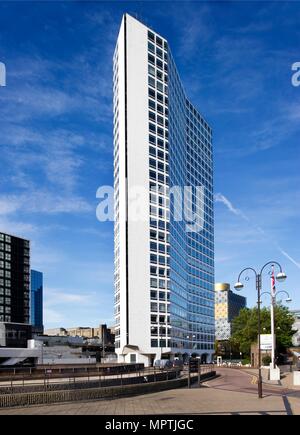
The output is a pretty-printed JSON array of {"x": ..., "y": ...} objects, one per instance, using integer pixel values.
[
  {"x": 72, "y": 381},
  {"x": 172, "y": 380}
]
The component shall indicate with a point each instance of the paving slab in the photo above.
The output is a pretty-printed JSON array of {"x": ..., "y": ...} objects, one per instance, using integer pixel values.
[{"x": 180, "y": 401}]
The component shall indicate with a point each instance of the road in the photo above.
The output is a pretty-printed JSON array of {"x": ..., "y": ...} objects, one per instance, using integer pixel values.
[
  {"x": 244, "y": 382},
  {"x": 233, "y": 393}
]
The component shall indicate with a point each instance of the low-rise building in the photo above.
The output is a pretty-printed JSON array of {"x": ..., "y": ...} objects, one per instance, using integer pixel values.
[
  {"x": 14, "y": 335},
  {"x": 227, "y": 307},
  {"x": 102, "y": 332}
]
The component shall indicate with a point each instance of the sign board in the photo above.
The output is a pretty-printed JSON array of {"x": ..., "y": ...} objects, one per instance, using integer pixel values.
[{"x": 266, "y": 342}]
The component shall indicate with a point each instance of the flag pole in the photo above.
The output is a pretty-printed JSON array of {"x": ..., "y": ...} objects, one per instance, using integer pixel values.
[{"x": 272, "y": 317}]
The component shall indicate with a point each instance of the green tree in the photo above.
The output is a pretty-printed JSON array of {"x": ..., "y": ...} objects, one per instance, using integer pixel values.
[{"x": 245, "y": 327}]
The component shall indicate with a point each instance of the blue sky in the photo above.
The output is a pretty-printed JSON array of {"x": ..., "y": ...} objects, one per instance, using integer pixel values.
[{"x": 56, "y": 136}]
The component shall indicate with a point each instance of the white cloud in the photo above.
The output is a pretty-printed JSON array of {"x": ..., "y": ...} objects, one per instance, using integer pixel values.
[
  {"x": 221, "y": 198},
  {"x": 54, "y": 297},
  {"x": 18, "y": 228},
  {"x": 43, "y": 201},
  {"x": 52, "y": 316},
  {"x": 296, "y": 263},
  {"x": 8, "y": 205}
]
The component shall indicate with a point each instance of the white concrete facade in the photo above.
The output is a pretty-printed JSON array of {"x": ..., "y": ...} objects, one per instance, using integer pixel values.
[{"x": 137, "y": 176}]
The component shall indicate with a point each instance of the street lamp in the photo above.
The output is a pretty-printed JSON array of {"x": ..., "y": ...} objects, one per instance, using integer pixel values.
[
  {"x": 281, "y": 276},
  {"x": 273, "y": 295}
]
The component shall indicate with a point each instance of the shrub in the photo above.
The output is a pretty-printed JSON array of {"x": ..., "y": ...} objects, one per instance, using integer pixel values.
[{"x": 266, "y": 360}]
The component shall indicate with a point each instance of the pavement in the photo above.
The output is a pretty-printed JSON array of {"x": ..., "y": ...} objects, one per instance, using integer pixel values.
[{"x": 234, "y": 392}]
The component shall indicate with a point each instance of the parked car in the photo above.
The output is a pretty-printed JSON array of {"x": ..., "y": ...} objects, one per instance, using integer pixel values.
[{"x": 163, "y": 364}]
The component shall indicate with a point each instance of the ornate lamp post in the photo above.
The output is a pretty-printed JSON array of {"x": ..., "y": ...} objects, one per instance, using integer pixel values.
[
  {"x": 273, "y": 295},
  {"x": 281, "y": 276}
]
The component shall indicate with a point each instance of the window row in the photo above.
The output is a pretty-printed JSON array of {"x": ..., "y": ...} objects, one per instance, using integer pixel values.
[
  {"x": 160, "y": 343},
  {"x": 5, "y": 265},
  {"x": 157, "y": 51},
  {"x": 157, "y": 40},
  {"x": 4, "y": 237},
  {"x": 161, "y": 331},
  {"x": 6, "y": 301},
  {"x": 159, "y": 307},
  {"x": 159, "y": 166},
  {"x": 157, "y": 62},
  {"x": 7, "y": 310},
  {"x": 159, "y": 142},
  {"x": 157, "y": 73},
  {"x": 157, "y": 85},
  {"x": 160, "y": 247},
  {"x": 159, "y": 283},
  {"x": 158, "y": 235},
  {"x": 158, "y": 119},
  {"x": 5, "y": 256},
  {"x": 5, "y": 318},
  {"x": 159, "y": 154},
  {"x": 158, "y": 96},
  {"x": 159, "y": 212},
  {"x": 162, "y": 296},
  {"x": 159, "y": 177},
  {"x": 161, "y": 225},
  {"x": 6, "y": 274},
  {"x": 158, "y": 107},
  {"x": 158, "y": 130},
  {"x": 161, "y": 271},
  {"x": 159, "y": 319},
  {"x": 159, "y": 259}
]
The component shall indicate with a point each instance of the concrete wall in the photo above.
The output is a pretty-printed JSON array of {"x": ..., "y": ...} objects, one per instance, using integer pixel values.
[{"x": 27, "y": 399}]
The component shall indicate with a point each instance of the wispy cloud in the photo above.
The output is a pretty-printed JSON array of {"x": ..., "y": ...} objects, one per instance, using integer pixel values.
[
  {"x": 296, "y": 263},
  {"x": 223, "y": 199},
  {"x": 56, "y": 297},
  {"x": 43, "y": 202},
  {"x": 53, "y": 317}
]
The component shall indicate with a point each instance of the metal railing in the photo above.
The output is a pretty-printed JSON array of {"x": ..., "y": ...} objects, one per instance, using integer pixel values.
[{"x": 49, "y": 381}]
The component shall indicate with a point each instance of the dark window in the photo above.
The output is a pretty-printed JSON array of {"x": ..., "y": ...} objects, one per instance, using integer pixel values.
[
  {"x": 152, "y": 104},
  {"x": 160, "y": 108},
  {"x": 152, "y": 116},
  {"x": 159, "y": 64},
  {"x": 151, "y": 47},
  {"x": 151, "y": 58},
  {"x": 152, "y": 127},
  {"x": 152, "y": 151},
  {"x": 160, "y": 143},
  {"x": 152, "y": 93},
  {"x": 159, "y": 52},
  {"x": 159, "y": 41},
  {"x": 151, "y": 36},
  {"x": 151, "y": 82},
  {"x": 151, "y": 139}
]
